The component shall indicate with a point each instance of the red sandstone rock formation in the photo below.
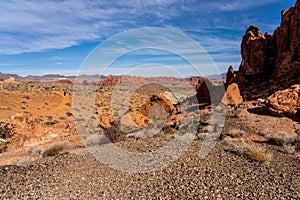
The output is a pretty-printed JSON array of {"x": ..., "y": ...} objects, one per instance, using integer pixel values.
[
  {"x": 203, "y": 93},
  {"x": 171, "y": 109},
  {"x": 270, "y": 62},
  {"x": 232, "y": 96}
]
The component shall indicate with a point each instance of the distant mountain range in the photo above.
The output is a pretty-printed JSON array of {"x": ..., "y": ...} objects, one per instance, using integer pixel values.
[
  {"x": 51, "y": 77},
  {"x": 57, "y": 77}
]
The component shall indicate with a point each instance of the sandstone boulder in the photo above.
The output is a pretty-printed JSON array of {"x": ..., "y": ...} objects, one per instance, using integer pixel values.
[
  {"x": 232, "y": 96},
  {"x": 106, "y": 121},
  {"x": 284, "y": 102}
]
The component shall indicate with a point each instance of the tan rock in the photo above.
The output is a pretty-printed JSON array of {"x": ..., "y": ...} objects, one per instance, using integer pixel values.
[
  {"x": 232, "y": 96},
  {"x": 284, "y": 102},
  {"x": 106, "y": 121}
]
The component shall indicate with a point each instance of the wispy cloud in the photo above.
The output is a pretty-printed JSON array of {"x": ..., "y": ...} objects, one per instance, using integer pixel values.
[
  {"x": 51, "y": 25},
  {"x": 33, "y": 26}
]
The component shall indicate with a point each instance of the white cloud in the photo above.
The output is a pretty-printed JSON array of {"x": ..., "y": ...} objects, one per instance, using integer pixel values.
[{"x": 33, "y": 26}]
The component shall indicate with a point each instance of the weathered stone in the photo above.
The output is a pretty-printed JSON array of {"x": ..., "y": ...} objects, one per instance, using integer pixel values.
[
  {"x": 230, "y": 76},
  {"x": 202, "y": 88},
  {"x": 106, "y": 121},
  {"x": 284, "y": 102},
  {"x": 232, "y": 96}
]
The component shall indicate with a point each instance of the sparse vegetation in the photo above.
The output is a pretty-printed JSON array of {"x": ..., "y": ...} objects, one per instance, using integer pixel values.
[
  {"x": 69, "y": 114},
  {"x": 7, "y": 130},
  {"x": 95, "y": 139},
  {"x": 3, "y": 146},
  {"x": 55, "y": 149},
  {"x": 25, "y": 161},
  {"x": 251, "y": 151},
  {"x": 115, "y": 134},
  {"x": 51, "y": 123},
  {"x": 26, "y": 97},
  {"x": 281, "y": 139},
  {"x": 258, "y": 154},
  {"x": 35, "y": 151},
  {"x": 168, "y": 130},
  {"x": 49, "y": 118}
]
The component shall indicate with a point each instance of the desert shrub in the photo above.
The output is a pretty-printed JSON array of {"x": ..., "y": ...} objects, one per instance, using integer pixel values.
[
  {"x": 35, "y": 150},
  {"x": 95, "y": 139},
  {"x": 62, "y": 118},
  {"x": 168, "y": 130},
  {"x": 7, "y": 130},
  {"x": 252, "y": 152},
  {"x": 3, "y": 146},
  {"x": 52, "y": 123},
  {"x": 258, "y": 154},
  {"x": 55, "y": 149},
  {"x": 49, "y": 117},
  {"x": 115, "y": 134},
  {"x": 69, "y": 114},
  {"x": 281, "y": 139},
  {"x": 25, "y": 161}
]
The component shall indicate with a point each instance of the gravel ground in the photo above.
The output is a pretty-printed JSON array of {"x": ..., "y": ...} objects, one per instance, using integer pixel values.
[{"x": 220, "y": 175}]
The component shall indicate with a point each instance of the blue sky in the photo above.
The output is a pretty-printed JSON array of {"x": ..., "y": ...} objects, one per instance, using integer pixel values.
[{"x": 54, "y": 37}]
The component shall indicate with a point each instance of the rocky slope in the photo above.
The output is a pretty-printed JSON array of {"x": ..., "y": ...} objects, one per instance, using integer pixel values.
[
  {"x": 221, "y": 175},
  {"x": 270, "y": 62}
]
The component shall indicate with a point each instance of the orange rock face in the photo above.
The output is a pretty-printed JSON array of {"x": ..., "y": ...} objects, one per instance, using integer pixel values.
[
  {"x": 106, "y": 121},
  {"x": 232, "y": 96},
  {"x": 284, "y": 102},
  {"x": 270, "y": 62},
  {"x": 160, "y": 99}
]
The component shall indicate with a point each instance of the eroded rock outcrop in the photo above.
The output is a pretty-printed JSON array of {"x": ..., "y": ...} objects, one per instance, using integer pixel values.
[
  {"x": 270, "y": 62},
  {"x": 232, "y": 96},
  {"x": 170, "y": 106},
  {"x": 202, "y": 89},
  {"x": 284, "y": 102},
  {"x": 106, "y": 121},
  {"x": 230, "y": 76}
]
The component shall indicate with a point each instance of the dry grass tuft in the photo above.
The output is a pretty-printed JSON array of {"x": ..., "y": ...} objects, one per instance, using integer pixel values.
[
  {"x": 35, "y": 150},
  {"x": 115, "y": 134},
  {"x": 95, "y": 140},
  {"x": 25, "y": 161},
  {"x": 258, "y": 154},
  {"x": 252, "y": 152},
  {"x": 56, "y": 148},
  {"x": 281, "y": 139}
]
